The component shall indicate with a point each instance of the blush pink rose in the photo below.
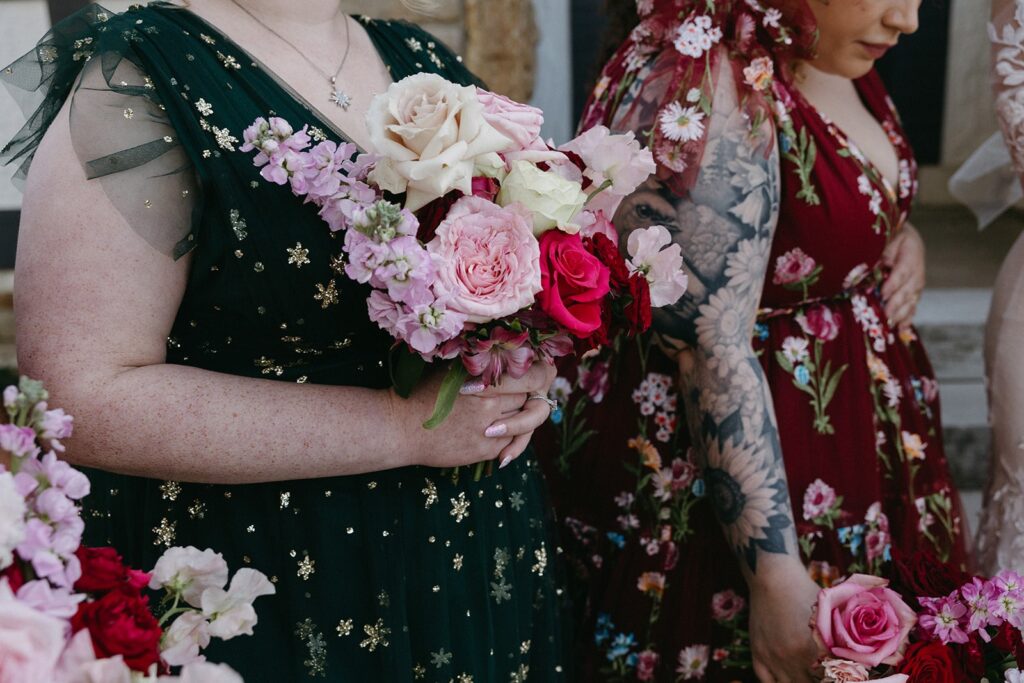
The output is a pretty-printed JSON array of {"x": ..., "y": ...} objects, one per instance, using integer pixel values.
[
  {"x": 488, "y": 263},
  {"x": 793, "y": 267},
  {"x": 819, "y": 321},
  {"x": 30, "y": 641},
  {"x": 574, "y": 283},
  {"x": 520, "y": 123},
  {"x": 864, "y": 621}
]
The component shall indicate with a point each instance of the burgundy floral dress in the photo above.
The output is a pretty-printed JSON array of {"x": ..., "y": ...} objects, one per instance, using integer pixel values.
[{"x": 659, "y": 592}]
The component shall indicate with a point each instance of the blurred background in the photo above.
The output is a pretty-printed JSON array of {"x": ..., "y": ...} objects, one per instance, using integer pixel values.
[{"x": 548, "y": 52}]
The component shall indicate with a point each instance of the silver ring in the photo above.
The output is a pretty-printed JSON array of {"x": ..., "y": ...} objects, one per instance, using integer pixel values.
[{"x": 552, "y": 403}]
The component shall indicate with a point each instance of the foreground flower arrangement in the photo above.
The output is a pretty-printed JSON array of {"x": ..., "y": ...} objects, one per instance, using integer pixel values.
[
  {"x": 71, "y": 614},
  {"x": 480, "y": 241},
  {"x": 970, "y": 632}
]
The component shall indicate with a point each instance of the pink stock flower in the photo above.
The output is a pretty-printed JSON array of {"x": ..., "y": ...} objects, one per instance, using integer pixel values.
[
  {"x": 505, "y": 352},
  {"x": 818, "y": 500},
  {"x": 981, "y": 598},
  {"x": 426, "y": 326},
  {"x": 489, "y": 260},
  {"x": 385, "y": 312},
  {"x": 944, "y": 618},
  {"x": 57, "y": 602},
  {"x": 820, "y": 322},
  {"x": 53, "y": 425},
  {"x": 30, "y": 641},
  {"x": 520, "y": 123},
  {"x": 61, "y": 476},
  {"x": 726, "y": 605},
  {"x": 54, "y": 505},
  {"x": 18, "y": 441},
  {"x": 862, "y": 620},
  {"x": 407, "y": 272},
  {"x": 793, "y": 267},
  {"x": 646, "y": 664}
]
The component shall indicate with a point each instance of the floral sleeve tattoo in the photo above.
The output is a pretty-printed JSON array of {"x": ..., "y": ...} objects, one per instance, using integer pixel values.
[{"x": 725, "y": 228}]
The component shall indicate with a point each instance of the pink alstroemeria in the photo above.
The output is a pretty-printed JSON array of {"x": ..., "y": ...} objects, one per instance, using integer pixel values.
[{"x": 506, "y": 352}]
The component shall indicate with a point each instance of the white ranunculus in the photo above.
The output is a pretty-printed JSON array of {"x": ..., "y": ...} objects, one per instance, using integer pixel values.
[
  {"x": 230, "y": 612},
  {"x": 187, "y": 635},
  {"x": 431, "y": 135},
  {"x": 652, "y": 253},
  {"x": 552, "y": 200},
  {"x": 12, "y": 519},
  {"x": 190, "y": 571}
]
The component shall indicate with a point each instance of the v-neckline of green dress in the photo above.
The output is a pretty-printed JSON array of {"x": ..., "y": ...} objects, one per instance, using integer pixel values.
[{"x": 320, "y": 118}]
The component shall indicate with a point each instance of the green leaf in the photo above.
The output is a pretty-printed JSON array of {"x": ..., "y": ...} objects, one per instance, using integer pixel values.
[
  {"x": 831, "y": 385},
  {"x": 406, "y": 370},
  {"x": 446, "y": 396},
  {"x": 784, "y": 362}
]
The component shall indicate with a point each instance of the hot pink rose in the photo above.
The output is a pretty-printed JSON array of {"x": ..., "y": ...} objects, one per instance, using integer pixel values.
[
  {"x": 30, "y": 641},
  {"x": 819, "y": 321},
  {"x": 574, "y": 283},
  {"x": 863, "y": 621},
  {"x": 488, "y": 265},
  {"x": 518, "y": 122},
  {"x": 793, "y": 267}
]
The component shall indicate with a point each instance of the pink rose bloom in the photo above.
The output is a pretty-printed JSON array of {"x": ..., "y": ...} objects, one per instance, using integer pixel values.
[
  {"x": 843, "y": 671},
  {"x": 489, "y": 259},
  {"x": 646, "y": 663},
  {"x": 793, "y": 267},
  {"x": 520, "y": 123},
  {"x": 820, "y": 322},
  {"x": 862, "y": 620},
  {"x": 818, "y": 499},
  {"x": 30, "y": 641},
  {"x": 726, "y": 605}
]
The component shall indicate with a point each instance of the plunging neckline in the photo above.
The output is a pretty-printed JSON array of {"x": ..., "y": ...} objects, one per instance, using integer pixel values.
[{"x": 321, "y": 119}]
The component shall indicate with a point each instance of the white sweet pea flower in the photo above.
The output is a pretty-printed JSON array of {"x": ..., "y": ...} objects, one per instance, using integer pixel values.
[
  {"x": 652, "y": 253},
  {"x": 205, "y": 672},
  {"x": 231, "y": 613},
  {"x": 187, "y": 635},
  {"x": 190, "y": 571},
  {"x": 12, "y": 519}
]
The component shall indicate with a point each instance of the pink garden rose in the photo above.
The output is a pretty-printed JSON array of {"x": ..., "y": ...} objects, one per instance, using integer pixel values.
[
  {"x": 843, "y": 671},
  {"x": 863, "y": 621},
  {"x": 30, "y": 642},
  {"x": 518, "y": 122},
  {"x": 793, "y": 267},
  {"x": 488, "y": 261},
  {"x": 820, "y": 322}
]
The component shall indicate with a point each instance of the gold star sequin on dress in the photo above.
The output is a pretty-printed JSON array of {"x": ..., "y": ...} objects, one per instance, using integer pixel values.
[
  {"x": 225, "y": 140},
  {"x": 204, "y": 107},
  {"x": 327, "y": 296},
  {"x": 460, "y": 507},
  {"x": 197, "y": 510},
  {"x": 376, "y": 635},
  {"x": 298, "y": 256},
  {"x": 307, "y": 567},
  {"x": 344, "y": 628},
  {"x": 419, "y": 672},
  {"x": 229, "y": 61},
  {"x": 286, "y": 497},
  {"x": 430, "y": 491},
  {"x": 520, "y": 675},
  {"x": 440, "y": 658},
  {"x": 457, "y": 562},
  {"x": 165, "y": 533},
  {"x": 316, "y": 663},
  {"x": 464, "y": 678},
  {"x": 542, "y": 561},
  {"x": 170, "y": 490}
]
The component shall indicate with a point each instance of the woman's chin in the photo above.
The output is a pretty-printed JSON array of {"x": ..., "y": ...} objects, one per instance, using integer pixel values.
[{"x": 852, "y": 67}]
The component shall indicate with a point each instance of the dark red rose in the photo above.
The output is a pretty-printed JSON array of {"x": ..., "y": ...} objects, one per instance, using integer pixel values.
[
  {"x": 104, "y": 570},
  {"x": 638, "y": 311},
  {"x": 971, "y": 656},
  {"x": 608, "y": 253},
  {"x": 120, "y": 623},
  {"x": 923, "y": 575},
  {"x": 1008, "y": 640},
  {"x": 14, "y": 576},
  {"x": 931, "y": 662},
  {"x": 431, "y": 215}
]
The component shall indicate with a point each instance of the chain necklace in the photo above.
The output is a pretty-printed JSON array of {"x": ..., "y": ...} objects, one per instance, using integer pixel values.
[{"x": 337, "y": 95}]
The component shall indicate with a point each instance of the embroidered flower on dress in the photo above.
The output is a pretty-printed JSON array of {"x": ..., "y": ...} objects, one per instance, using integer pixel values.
[{"x": 681, "y": 124}]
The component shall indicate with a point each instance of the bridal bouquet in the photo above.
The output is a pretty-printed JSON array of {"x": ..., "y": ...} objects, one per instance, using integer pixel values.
[
  {"x": 962, "y": 629},
  {"x": 482, "y": 244},
  {"x": 71, "y": 614}
]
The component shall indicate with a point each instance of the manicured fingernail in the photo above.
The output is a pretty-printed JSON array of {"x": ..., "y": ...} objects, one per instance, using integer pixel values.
[
  {"x": 472, "y": 388},
  {"x": 496, "y": 430},
  {"x": 506, "y": 462}
]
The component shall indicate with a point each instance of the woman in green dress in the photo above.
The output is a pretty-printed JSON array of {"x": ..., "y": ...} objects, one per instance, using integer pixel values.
[{"x": 229, "y": 388}]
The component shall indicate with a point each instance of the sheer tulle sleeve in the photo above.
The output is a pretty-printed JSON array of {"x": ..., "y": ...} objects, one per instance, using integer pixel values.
[{"x": 119, "y": 129}]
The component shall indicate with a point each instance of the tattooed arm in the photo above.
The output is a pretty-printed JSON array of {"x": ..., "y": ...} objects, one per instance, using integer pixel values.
[{"x": 725, "y": 229}]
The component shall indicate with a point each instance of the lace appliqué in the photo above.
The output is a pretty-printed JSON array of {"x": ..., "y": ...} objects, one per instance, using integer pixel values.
[
  {"x": 1009, "y": 67},
  {"x": 1001, "y": 531}
]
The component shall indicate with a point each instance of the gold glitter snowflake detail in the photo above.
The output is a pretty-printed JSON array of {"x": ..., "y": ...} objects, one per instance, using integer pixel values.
[
  {"x": 307, "y": 567},
  {"x": 542, "y": 561},
  {"x": 430, "y": 491},
  {"x": 419, "y": 672},
  {"x": 376, "y": 635},
  {"x": 165, "y": 533},
  {"x": 328, "y": 295},
  {"x": 440, "y": 658},
  {"x": 520, "y": 675},
  {"x": 170, "y": 490},
  {"x": 298, "y": 256},
  {"x": 344, "y": 628},
  {"x": 225, "y": 140},
  {"x": 457, "y": 562},
  {"x": 460, "y": 507}
]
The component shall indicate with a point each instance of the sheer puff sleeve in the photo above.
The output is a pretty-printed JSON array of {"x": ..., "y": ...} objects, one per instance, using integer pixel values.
[{"x": 119, "y": 128}]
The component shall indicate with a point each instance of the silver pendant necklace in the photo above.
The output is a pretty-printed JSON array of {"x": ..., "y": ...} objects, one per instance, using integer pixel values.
[{"x": 338, "y": 96}]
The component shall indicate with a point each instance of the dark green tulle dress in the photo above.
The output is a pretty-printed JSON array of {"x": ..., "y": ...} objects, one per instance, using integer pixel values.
[{"x": 402, "y": 575}]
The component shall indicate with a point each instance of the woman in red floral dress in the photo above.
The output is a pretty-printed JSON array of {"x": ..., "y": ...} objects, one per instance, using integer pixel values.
[{"x": 785, "y": 418}]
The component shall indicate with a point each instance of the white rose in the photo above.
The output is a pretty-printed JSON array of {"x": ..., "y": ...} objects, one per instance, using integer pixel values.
[
  {"x": 12, "y": 519},
  {"x": 231, "y": 613},
  {"x": 190, "y": 571},
  {"x": 431, "y": 135},
  {"x": 552, "y": 200}
]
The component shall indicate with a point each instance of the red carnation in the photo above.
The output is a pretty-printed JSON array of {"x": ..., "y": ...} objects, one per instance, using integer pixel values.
[
  {"x": 120, "y": 623},
  {"x": 103, "y": 570},
  {"x": 608, "y": 253},
  {"x": 931, "y": 662}
]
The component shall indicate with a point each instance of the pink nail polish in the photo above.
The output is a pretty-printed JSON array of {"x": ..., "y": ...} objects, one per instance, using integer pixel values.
[
  {"x": 496, "y": 430},
  {"x": 506, "y": 462},
  {"x": 471, "y": 388}
]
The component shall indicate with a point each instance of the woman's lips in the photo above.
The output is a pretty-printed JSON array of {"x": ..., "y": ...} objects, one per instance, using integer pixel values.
[{"x": 876, "y": 50}]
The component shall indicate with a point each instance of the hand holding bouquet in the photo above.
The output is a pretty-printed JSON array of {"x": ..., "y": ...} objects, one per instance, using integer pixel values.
[{"x": 482, "y": 244}]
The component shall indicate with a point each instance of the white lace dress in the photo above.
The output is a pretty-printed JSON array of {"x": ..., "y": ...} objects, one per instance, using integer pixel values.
[{"x": 1001, "y": 534}]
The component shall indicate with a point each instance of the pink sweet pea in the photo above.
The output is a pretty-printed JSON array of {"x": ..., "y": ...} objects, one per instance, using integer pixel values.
[
  {"x": 863, "y": 621},
  {"x": 617, "y": 162},
  {"x": 506, "y": 352},
  {"x": 30, "y": 641}
]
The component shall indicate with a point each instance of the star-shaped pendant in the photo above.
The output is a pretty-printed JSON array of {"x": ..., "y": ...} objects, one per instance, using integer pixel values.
[{"x": 341, "y": 98}]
